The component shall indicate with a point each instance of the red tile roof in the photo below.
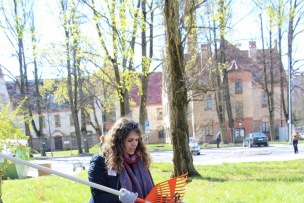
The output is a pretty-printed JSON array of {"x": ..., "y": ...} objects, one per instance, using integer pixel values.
[{"x": 154, "y": 90}]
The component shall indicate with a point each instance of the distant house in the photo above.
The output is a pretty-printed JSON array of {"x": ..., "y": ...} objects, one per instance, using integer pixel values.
[
  {"x": 58, "y": 125},
  {"x": 154, "y": 108},
  {"x": 297, "y": 100},
  {"x": 248, "y": 98}
]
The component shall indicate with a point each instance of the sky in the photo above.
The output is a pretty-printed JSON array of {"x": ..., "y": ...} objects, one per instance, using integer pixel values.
[{"x": 245, "y": 28}]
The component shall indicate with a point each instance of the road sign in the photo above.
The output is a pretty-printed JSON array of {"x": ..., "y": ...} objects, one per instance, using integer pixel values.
[
  {"x": 147, "y": 124},
  {"x": 147, "y": 127}
]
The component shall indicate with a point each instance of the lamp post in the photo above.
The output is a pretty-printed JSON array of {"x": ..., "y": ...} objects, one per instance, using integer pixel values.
[
  {"x": 289, "y": 101},
  {"x": 48, "y": 114}
]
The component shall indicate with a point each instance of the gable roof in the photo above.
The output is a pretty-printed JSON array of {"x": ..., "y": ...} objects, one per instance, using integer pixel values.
[
  {"x": 239, "y": 60},
  {"x": 154, "y": 90}
]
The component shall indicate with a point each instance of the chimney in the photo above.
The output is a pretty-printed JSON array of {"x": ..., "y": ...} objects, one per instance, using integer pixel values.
[{"x": 252, "y": 50}]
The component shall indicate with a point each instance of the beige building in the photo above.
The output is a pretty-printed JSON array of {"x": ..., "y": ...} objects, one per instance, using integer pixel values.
[
  {"x": 248, "y": 99},
  {"x": 154, "y": 122},
  {"x": 58, "y": 126},
  {"x": 247, "y": 94},
  {"x": 297, "y": 100}
]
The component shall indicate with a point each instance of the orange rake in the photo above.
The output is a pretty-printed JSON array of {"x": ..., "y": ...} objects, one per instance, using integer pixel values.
[{"x": 169, "y": 191}]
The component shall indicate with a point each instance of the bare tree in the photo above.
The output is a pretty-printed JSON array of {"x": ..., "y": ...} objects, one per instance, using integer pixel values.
[
  {"x": 16, "y": 15},
  {"x": 110, "y": 24},
  {"x": 70, "y": 26},
  {"x": 38, "y": 128},
  {"x": 268, "y": 76}
]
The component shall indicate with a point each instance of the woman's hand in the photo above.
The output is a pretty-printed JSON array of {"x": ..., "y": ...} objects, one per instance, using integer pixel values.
[{"x": 127, "y": 196}]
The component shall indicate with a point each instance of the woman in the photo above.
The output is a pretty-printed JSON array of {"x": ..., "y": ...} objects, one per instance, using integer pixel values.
[
  {"x": 122, "y": 165},
  {"x": 295, "y": 139}
]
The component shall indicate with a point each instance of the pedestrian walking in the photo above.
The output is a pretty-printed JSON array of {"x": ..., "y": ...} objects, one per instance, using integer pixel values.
[
  {"x": 218, "y": 139},
  {"x": 295, "y": 140}
]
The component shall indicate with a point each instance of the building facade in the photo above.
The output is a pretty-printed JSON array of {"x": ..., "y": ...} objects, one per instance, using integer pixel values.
[
  {"x": 248, "y": 99},
  {"x": 58, "y": 125},
  {"x": 154, "y": 122},
  {"x": 247, "y": 94}
]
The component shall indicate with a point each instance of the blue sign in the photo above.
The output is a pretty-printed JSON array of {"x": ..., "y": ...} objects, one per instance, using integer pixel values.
[
  {"x": 147, "y": 127},
  {"x": 147, "y": 124}
]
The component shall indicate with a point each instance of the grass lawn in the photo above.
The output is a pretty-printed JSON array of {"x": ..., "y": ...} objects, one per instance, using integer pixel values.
[{"x": 232, "y": 183}]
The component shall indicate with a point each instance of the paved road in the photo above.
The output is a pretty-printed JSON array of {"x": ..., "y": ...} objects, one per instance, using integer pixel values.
[
  {"x": 238, "y": 154},
  {"x": 208, "y": 156}
]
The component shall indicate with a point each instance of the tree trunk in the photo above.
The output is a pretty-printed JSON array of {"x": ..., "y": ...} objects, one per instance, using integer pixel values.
[
  {"x": 182, "y": 159},
  {"x": 72, "y": 98},
  {"x": 1, "y": 178}
]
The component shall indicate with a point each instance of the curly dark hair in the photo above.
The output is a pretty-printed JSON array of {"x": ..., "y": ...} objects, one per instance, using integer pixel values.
[{"x": 113, "y": 147}]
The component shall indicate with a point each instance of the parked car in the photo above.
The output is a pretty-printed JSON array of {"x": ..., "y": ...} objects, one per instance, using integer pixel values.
[
  {"x": 301, "y": 136},
  {"x": 255, "y": 139},
  {"x": 194, "y": 146}
]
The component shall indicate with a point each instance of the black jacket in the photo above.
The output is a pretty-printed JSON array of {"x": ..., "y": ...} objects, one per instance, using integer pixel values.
[{"x": 98, "y": 173}]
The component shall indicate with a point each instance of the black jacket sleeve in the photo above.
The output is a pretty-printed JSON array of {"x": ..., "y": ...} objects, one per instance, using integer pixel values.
[{"x": 99, "y": 174}]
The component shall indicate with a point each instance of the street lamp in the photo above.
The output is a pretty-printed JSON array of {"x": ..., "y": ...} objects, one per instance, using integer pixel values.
[
  {"x": 48, "y": 114},
  {"x": 289, "y": 101}
]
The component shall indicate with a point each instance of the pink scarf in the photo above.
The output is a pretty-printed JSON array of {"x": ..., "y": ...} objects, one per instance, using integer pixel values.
[{"x": 135, "y": 177}]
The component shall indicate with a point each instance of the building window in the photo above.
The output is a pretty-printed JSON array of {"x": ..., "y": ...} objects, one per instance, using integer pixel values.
[
  {"x": 239, "y": 115},
  {"x": 238, "y": 87},
  {"x": 57, "y": 121},
  {"x": 264, "y": 100},
  {"x": 161, "y": 134},
  {"x": 43, "y": 122},
  {"x": 255, "y": 75},
  {"x": 265, "y": 127},
  {"x": 71, "y": 120},
  {"x": 74, "y": 141},
  {"x": 159, "y": 113},
  {"x": 208, "y": 103}
]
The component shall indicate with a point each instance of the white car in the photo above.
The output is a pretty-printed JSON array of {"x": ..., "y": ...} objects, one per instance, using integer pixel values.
[{"x": 194, "y": 146}]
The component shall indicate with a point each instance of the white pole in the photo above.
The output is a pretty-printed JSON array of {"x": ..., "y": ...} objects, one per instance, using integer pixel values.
[
  {"x": 85, "y": 182},
  {"x": 289, "y": 102}
]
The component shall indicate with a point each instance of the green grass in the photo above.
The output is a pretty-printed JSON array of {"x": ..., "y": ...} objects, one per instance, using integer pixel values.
[{"x": 227, "y": 183}]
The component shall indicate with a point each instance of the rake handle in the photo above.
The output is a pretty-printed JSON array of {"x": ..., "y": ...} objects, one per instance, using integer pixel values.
[{"x": 85, "y": 182}]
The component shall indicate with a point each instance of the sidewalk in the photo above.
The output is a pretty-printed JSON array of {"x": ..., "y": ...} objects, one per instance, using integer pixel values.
[{"x": 61, "y": 164}]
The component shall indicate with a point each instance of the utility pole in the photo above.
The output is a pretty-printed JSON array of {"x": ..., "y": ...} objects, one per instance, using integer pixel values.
[
  {"x": 47, "y": 110},
  {"x": 289, "y": 102}
]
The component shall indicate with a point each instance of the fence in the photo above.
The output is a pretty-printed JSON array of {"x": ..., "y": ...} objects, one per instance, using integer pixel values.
[{"x": 62, "y": 143}]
